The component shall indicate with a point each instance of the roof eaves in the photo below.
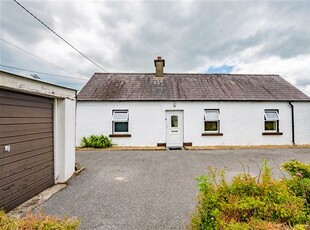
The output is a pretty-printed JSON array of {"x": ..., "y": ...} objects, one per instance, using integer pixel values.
[{"x": 231, "y": 100}]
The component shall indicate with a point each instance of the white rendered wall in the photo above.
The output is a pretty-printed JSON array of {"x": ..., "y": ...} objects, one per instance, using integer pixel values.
[
  {"x": 242, "y": 123},
  {"x": 302, "y": 122},
  {"x": 64, "y": 139}
]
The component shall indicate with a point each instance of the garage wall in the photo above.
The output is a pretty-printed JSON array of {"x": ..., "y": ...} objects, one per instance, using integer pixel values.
[
  {"x": 26, "y": 126},
  {"x": 64, "y": 129}
]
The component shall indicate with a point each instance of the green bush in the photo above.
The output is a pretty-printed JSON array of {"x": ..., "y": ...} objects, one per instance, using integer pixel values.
[
  {"x": 95, "y": 141},
  {"x": 248, "y": 202},
  {"x": 300, "y": 181},
  {"x": 37, "y": 222},
  {"x": 296, "y": 168}
]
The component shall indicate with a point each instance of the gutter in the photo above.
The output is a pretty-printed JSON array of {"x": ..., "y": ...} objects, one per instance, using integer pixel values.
[{"x": 293, "y": 122}]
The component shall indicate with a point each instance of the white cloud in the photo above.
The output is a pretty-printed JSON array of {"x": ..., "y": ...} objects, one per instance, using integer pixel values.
[
  {"x": 125, "y": 36},
  {"x": 295, "y": 69}
]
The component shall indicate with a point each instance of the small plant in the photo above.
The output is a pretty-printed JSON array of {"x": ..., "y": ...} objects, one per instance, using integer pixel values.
[
  {"x": 248, "y": 202},
  {"x": 95, "y": 141},
  {"x": 37, "y": 222}
]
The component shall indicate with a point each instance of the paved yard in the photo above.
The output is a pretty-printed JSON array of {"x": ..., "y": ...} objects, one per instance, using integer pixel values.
[{"x": 150, "y": 190}]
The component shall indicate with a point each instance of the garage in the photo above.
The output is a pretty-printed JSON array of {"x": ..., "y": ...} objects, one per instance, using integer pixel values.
[
  {"x": 37, "y": 126},
  {"x": 27, "y": 165}
]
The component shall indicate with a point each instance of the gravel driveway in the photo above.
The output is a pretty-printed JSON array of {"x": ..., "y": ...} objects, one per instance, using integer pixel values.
[{"x": 150, "y": 189}]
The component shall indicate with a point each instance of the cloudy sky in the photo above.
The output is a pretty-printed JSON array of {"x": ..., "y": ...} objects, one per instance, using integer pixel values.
[{"x": 125, "y": 36}]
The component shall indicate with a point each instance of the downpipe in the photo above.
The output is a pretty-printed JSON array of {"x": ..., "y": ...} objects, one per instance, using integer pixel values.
[{"x": 293, "y": 122}]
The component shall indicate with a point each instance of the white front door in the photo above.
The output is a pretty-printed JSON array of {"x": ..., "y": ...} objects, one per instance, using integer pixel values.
[{"x": 174, "y": 128}]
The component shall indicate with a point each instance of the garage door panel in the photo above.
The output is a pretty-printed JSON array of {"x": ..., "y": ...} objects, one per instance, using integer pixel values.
[
  {"x": 17, "y": 186},
  {"x": 11, "y": 202},
  {"x": 16, "y": 111},
  {"x": 25, "y": 155},
  {"x": 17, "y": 139},
  {"x": 23, "y": 103},
  {"x": 24, "y": 120},
  {"x": 18, "y": 127},
  {"x": 26, "y": 124},
  {"x": 26, "y": 172},
  {"x": 14, "y": 133},
  {"x": 27, "y": 146},
  {"x": 27, "y": 97},
  {"x": 19, "y": 166}
]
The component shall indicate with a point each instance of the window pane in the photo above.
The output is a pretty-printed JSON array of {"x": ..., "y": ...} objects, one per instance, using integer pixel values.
[
  {"x": 120, "y": 116},
  {"x": 174, "y": 121},
  {"x": 270, "y": 125},
  {"x": 211, "y": 125},
  {"x": 121, "y": 127},
  {"x": 271, "y": 115},
  {"x": 212, "y": 115}
]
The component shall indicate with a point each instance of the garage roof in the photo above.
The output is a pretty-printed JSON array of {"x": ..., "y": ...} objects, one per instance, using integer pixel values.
[
  {"x": 189, "y": 87},
  {"x": 23, "y": 84}
]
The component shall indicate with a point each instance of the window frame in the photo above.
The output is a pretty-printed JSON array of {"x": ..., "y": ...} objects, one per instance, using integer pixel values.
[
  {"x": 212, "y": 120},
  {"x": 114, "y": 121},
  {"x": 275, "y": 120}
]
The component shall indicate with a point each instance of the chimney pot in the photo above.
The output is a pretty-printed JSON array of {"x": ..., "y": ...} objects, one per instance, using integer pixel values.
[{"x": 159, "y": 66}]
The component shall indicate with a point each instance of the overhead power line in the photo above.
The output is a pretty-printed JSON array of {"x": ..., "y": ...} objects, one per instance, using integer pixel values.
[
  {"x": 33, "y": 71},
  {"x": 34, "y": 55},
  {"x": 59, "y": 36}
]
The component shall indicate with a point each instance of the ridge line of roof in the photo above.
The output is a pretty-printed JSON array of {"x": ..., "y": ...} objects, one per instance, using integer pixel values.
[{"x": 232, "y": 74}]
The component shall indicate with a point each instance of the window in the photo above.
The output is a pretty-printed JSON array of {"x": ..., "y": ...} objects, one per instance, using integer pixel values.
[
  {"x": 120, "y": 121},
  {"x": 212, "y": 121},
  {"x": 271, "y": 120},
  {"x": 174, "y": 121}
]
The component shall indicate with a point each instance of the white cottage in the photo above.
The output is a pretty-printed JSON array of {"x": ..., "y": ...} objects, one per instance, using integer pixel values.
[{"x": 175, "y": 110}]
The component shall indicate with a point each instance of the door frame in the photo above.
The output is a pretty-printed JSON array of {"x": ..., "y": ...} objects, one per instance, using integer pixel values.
[{"x": 178, "y": 112}]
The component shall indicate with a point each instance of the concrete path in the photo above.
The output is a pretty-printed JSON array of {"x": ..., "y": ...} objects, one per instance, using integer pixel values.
[{"x": 150, "y": 189}]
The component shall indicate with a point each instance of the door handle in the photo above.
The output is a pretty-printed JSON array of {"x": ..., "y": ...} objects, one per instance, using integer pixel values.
[{"x": 174, "y": 131}]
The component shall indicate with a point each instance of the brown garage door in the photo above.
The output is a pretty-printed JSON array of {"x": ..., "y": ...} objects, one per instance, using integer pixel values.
[{"x": 26, "y": 126}]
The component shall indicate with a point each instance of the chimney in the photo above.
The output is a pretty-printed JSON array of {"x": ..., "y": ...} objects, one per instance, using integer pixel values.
[{"x": 159, "y": 65}]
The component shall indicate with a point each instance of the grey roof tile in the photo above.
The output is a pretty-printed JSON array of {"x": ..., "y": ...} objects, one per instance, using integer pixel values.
[{"x": 180, "y": 87}]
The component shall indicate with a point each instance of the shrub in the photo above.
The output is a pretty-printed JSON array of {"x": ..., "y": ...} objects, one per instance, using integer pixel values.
[
  {"x": 300, "y": 181},
  {"x": 37, "y": 222},
  {"x": 95, "y": 141},
  {"x": 296, "y": 168},
  {"x": 248, "y": 202}
]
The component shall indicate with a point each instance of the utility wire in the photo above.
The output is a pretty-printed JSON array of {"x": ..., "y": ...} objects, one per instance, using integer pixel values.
[
  {"x": 60, "y": 36},
  {"x": 34, "y": 55},
  {"x": 33, "y": 71}
]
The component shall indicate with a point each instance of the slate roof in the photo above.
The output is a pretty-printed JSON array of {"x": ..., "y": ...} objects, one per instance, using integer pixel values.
[{"x": 188, "y": 87}]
